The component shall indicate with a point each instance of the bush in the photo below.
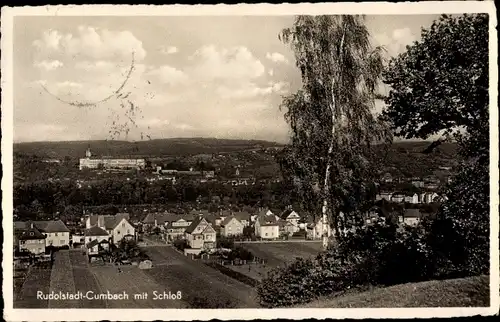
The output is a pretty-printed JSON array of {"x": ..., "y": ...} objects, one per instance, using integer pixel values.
[
  {"x": 240, "y": 253},
  {"x": 180, "y": 244},
  {"x": 379, "y": 254},
  {"x": 289, "y": 285},
  {"x": 225, "y": 242}
]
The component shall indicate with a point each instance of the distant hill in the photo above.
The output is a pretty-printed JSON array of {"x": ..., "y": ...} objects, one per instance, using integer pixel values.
[{"x": 152, "y": 148}]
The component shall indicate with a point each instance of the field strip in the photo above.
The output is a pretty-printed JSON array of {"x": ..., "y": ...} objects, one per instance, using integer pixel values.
[
  {"x": 36, "y": 280},
  {"x": 144, "y": 283},
  {"x": 233, "y": 286},
  {"x": 110, "y": 280},
  {"x": 99, "y": 289},
  {"x": 61, "y": 280},
  {"x": 84, "y": 280}
]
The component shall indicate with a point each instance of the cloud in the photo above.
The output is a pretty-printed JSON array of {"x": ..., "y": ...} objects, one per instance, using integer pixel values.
[
  {"x": 90, "y": 42},
  {"x": 277, "y": 58},
  {"x": 68, "y": 85},
  {"x": 271, "y": 72},
  {"x": 211, "y": 63},
  {"x": 169, "y": 50},
  {"x": 169, "y": 75},
  {"x": 99, "y": 65},
  {"x": 48, "y": 64},
  {"x": 50, "y": 41},
  {"x": 251, "y": 90},
  {"x": 396, "y": 42}
]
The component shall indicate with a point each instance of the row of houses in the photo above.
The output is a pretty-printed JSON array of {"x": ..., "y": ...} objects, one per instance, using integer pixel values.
[
  {"x": 100, "y": 231},
  {"x": 409, "y": 197},
  {"x": 265, "y": 224},
  {"x": 411, "y": 217}
]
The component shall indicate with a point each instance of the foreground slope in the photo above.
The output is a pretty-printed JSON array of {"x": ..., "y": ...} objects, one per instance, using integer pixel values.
[{"x": 462, "y": 292}]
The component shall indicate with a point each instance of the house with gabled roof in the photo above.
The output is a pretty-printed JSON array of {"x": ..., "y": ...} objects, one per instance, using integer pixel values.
[
  {"x": 231, "y": 226},
  {"x": 398, "y": 197},
  {"x": 158, "y": 219},
  {"x": 55, "y": 231},
  {"x": 316, "y": 229},
  {"x": 383, "y": 196},
  {"x": 292, "y": 217},
  {"x": 29, "y": 238},
  {"x": 175, "y": 229},
  {"x": 96, "y": 247},
  {"x": 95, "y": 233},
  {"x": 201, "y": 235},
  {"x": 244, "y": 217},
  {"x": 412, "y": 217},
  {"x": 116, "y": 227},
  {"x": 286, "y": 227},
  {"x": 267, "y": 226},
  {"x": 411, "y": 197}
]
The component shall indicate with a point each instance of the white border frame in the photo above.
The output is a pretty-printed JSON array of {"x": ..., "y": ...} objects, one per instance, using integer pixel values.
[{"x": 427, "y": 7}]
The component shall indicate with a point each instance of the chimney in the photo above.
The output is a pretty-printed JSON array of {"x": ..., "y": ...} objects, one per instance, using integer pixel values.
[
  {"x": 31, "y": 225},
  {"x": 100, "y": 221},
  {"x": 156, "y": 222}
]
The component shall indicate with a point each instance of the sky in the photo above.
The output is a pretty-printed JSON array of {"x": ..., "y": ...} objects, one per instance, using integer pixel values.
[{"x": 203, "y": 76}]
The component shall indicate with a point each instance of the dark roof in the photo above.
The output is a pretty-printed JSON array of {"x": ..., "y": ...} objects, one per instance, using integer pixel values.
[
  {"x": 412, "y": 213},
  {"x": 198, "y": 212},
  {"x": 242, "y": 215},
  {"x": 224, "y": 213},
  {"x": 210, "y": 218},
  {"x": 285, "y": 213},
  {"x": 30, "y": 234},
  {"x": 95, "y": 231},
  {"x": 161, "y": 218},
  {"x": 46, "y": 226},
  {"x": 228, "y": 219},
  {"x": 193, "y": 225},
  {"x": 265, "y": 220},
  {"x": 379, "y": 211},
  {"x": 92, "y": 243},
  {"x": 110, "y": 221},
  {"x": 282, "y": 223}
]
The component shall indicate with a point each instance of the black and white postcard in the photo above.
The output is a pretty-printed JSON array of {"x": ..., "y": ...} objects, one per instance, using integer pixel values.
[{"x": 267, "y": 161}]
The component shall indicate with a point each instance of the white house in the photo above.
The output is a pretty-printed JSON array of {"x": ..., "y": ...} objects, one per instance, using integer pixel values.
[
  {"x": 292, "y": 217},
  {"x": 411, "y": 198},
  {"x": 244, "y": 217},
  {"x": 429, "y": 197},
  {"x": 384, "y": 195},
  {"x": 116, "y": 227},
  {"x": 398, "y": 197},
  {"x": 231, "y": 226},
  {"x": 201, "y": 235},
  {"x": 55, "y": 231},
  {"x": 316, "y": 229},
  {"x": 412, "y": 217},
  {"x": 267, "y": 226}
]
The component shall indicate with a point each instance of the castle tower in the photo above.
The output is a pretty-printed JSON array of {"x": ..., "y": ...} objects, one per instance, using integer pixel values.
[{"x": 88, "y": 154}]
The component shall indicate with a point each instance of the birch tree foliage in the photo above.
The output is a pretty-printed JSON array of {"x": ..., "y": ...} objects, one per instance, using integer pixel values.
[{"x": 333, "y": 128}]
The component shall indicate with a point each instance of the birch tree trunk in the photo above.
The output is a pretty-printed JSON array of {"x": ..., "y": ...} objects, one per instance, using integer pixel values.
[{"x": 326, "y": 188}]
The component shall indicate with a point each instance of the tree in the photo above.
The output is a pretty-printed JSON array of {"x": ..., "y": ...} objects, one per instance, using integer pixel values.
[
  {"x": 440, "y": 86},
  {"x": 333, "y": 128}
]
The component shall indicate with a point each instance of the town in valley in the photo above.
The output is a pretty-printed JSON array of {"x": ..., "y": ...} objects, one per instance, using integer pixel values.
[{"x": 250, "y": 162}]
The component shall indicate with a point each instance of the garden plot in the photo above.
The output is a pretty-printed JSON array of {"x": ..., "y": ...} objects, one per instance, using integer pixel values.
[
  {"x": 37, "y": 279},
  {"x": 201, "y": 286},
  {"x": 61, "y": 280}
]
